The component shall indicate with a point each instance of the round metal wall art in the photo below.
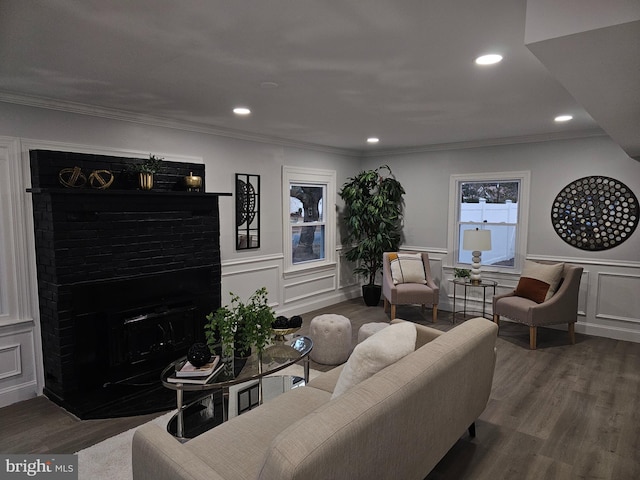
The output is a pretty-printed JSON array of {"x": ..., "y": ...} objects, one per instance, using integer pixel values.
[{"x": 595, "y": 213}]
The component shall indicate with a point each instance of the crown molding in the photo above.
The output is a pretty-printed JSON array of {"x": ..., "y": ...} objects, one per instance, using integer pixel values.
[
  {"x": 490, "y": 142},
  {"x": 157, "y": 121}
]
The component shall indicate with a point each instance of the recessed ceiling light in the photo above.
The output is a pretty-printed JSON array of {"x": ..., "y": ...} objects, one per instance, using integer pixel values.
[
  {"x": 563, "y": 118},
  {"x": 268, "y": 85},
  {"x": 373, "y": 140},
  {"x": 489, "y": 59},
  {"x": 241, "y": 111}
]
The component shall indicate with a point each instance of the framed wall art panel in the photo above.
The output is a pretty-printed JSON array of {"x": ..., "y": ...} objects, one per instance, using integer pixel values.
[{"x": 247, "y": 211}]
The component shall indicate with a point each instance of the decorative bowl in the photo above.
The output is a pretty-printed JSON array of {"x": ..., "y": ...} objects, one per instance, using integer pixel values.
[
  {"x": 279, "y": 333},
  {"x": 192, "y": 182}
]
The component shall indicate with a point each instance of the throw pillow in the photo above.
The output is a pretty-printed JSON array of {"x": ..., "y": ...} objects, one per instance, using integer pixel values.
[
  {"x": 375, "y": 353},
  {"x": 538, "y": 281},
  {"x": 407, "y": 268}
]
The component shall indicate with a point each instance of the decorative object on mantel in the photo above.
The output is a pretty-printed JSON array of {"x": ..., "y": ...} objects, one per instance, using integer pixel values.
[
  {"x": 595, "y": 213},
  {"x": 101, "y": 179},
  {"x": 192, "y": 182},
  {"x": 72, "y": 177},
  {"x": 247, "y": 211},
  {"x": 146, "y": 169},
  {"x": 240, "y": 327}
]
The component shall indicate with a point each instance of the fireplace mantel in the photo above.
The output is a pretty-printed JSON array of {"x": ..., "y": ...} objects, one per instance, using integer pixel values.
[
  {"x": 106, "y": 256},
  {"x": 128, "y": 193}
]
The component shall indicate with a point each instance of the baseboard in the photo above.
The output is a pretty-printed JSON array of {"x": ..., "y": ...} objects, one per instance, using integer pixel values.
[
  {"x": 18, "y": 393},
  {"x": 594, "y": 330},
  {"x": 614, "y": 333}
]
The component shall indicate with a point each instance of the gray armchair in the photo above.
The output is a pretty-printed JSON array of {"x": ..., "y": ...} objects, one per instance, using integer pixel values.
[
  {"x": 409, "y": 293},
  {"x": 562, "y": 307}
]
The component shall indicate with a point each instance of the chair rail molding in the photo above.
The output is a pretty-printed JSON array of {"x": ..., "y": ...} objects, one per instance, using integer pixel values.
[{"x": 587, "y": 261}]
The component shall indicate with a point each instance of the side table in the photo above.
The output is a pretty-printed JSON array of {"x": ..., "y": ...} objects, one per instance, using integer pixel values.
[{"x": 484, "y": 284}]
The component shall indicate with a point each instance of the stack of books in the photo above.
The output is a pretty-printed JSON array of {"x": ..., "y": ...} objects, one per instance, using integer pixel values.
[{"x": 198, "y": 375}]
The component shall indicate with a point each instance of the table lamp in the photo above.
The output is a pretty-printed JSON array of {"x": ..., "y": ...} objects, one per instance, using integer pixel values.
[{"x": 477, "y": 241}]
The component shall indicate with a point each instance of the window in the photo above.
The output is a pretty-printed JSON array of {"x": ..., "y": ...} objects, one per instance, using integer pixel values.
[
  {"x": 497, "y": 202},
  {"x": 309, "y": 227}
]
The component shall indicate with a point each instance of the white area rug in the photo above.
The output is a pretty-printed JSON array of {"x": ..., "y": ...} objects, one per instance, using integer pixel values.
[{"x": 111, "y": 458}]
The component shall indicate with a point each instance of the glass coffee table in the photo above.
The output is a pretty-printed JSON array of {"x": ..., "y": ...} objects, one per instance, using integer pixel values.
[{"x": 212, "y": 407}]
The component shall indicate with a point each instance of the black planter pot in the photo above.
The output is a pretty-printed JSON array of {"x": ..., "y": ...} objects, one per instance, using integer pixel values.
[
  {"x": 239, "y": 351},
  {"x": 371, "y": 294}
]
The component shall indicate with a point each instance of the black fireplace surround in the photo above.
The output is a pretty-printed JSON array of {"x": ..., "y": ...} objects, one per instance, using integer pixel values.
[{"x": 125, "y": 280}]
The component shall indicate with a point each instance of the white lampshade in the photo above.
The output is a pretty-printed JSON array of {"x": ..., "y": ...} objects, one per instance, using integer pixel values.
[{"x": 477, "y": 240}]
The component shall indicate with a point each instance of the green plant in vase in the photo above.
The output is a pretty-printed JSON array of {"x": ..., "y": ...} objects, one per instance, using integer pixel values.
[
  {"x": 146, "y": 169},
  {"x": 241, "y": 326},
  {"x": 461, "y": 273}
]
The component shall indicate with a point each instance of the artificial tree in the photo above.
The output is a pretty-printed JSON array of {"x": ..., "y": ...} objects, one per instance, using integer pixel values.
[{"x": 373, "y": 220}]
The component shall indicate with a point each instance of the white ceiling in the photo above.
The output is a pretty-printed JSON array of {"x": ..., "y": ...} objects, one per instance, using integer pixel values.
[{"x": 402, "y": 70}]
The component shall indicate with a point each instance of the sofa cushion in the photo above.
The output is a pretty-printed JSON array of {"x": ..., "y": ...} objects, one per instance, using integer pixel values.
[
  {"x": 375, "y": 353},
  {"x": 538, "y": 281},
  {"x": 407, "y": 268},
  {"x": 237, "y": 448},
  {"x": 327, "y": 380}
]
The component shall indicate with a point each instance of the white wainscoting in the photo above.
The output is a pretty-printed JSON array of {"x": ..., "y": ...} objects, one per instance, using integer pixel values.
[
  {"x": 19, "y": 335},
  {"x": 17, "y": 363},
  {"x": 294, "y": 293},
  {"x": 608, "y": 302},
  {"x": 10, "y": 361},
  {"x": 306, "y": 287},
  {"x": 618, "y": 296}
]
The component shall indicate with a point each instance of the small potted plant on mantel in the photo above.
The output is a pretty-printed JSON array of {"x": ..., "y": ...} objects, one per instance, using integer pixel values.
[
  {"x": 241, "y": 327},
  {"x": 146, "y": 169}
]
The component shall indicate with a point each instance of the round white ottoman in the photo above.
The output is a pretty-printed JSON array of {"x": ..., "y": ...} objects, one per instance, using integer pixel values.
[
  {"x": 331, "y": 335},
  {"x": 369, "y": 329}
]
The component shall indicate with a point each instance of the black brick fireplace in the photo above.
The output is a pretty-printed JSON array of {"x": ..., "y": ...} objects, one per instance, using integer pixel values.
[{"x": 125, "y": 279}]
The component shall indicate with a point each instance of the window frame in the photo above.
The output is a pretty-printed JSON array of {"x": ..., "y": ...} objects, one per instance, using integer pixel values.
[
  {"x": 312, "y": 177},
  {"x": 14, "y": 293},
  {"x": 524, "y": 178}
]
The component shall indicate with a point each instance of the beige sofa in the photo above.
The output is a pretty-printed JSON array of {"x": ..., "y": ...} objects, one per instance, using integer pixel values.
[{"x": 396, "y": 424}]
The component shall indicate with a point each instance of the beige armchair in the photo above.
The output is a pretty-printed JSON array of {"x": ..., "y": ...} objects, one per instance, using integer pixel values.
[
  {"x": 562, "y": 307},
  {"x": 409, "y": 293}
]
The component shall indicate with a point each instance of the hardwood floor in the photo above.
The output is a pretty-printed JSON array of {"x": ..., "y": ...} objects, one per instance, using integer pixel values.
[{"x": 559, "y": 412}]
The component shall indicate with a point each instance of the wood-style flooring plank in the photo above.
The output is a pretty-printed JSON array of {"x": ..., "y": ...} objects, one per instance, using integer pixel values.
[
  {"x": 560, "y": 412},
  {"x": 39, "y": 426}
]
